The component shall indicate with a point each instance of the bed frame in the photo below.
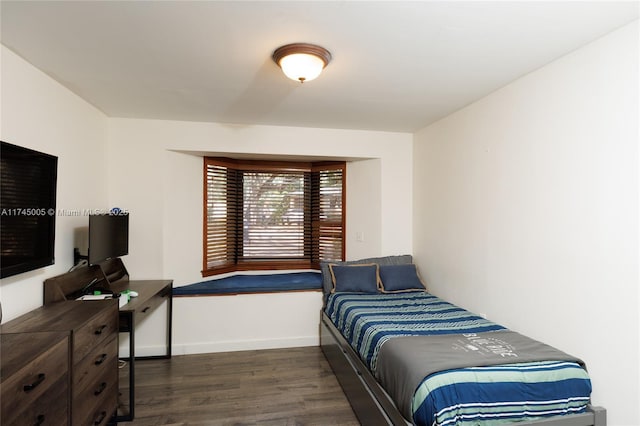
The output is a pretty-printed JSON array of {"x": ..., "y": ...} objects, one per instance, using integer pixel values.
[{"x": 373, "y": 406}]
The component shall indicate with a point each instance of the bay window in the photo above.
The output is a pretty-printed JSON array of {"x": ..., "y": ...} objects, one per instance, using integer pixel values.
[{"x": 272, "y": 215}]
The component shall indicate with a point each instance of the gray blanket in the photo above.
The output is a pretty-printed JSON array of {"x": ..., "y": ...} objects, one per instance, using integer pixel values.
[{"x": 404, "y": 362}]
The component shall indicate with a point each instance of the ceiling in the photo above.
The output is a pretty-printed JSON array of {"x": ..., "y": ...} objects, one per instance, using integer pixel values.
[{"x": 397, "y": 66}]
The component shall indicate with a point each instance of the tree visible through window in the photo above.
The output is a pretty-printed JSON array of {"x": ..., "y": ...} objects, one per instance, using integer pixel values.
[
  {"x": 266, "y": 215},
  {"x": 273, "y": 215}
]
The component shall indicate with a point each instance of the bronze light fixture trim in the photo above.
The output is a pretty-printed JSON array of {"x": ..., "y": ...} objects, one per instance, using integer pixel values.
[{"x": 301, "y": 61}]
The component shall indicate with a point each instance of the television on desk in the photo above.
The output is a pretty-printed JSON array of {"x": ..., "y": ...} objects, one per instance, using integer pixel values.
[
  {"x": 108, "y": 236},
  {"x": 28, "y": 209}
]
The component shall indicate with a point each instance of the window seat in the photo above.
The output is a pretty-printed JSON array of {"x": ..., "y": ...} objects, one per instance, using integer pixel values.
[{"x": 240, "y": 284}]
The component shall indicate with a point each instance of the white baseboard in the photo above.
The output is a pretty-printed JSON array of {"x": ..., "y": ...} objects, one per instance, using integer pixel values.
[{"x": 141, "y": 351}]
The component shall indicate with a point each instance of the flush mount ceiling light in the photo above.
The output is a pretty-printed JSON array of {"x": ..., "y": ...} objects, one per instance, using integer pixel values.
[{"x": 301, "y": 61}]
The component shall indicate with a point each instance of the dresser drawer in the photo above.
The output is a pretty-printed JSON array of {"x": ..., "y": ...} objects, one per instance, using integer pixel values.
[
  {"x": 102, "y": 358},
  {"x": 50, "y": 409},
  {"x": 101, "y": 414},
  {"x": 33, "y": 379},
  {"x": 99, "y": 328},
  {"x": 96, "y": 404}
]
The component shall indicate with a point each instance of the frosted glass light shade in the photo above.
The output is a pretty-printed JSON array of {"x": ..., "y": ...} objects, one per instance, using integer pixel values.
[
  {"x": 301, "y": 61},
  {"x": 301, "y": 66}
]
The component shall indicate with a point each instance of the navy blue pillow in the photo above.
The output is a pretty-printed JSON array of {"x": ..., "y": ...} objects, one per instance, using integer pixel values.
[
  {"x": 327, "y": 279},
  {"x": 399, "y": 278},
  {"x": 357, "y": 278}
]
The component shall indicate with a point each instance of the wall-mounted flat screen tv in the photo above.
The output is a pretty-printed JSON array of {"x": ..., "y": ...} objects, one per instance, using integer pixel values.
[
  {"x": 27, "y": 209},
  {"x": 108, "y": 236}
]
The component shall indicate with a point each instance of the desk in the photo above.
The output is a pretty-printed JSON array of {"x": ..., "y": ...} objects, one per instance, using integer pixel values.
[{"x": 151, "y": 294}]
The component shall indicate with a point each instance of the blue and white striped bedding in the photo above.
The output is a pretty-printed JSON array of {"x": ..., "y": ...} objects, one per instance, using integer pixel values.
[{"x": 477, "y": 395}]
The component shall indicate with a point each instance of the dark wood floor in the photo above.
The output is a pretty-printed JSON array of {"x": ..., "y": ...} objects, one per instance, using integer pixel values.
[{"x": 293, "y": 386}]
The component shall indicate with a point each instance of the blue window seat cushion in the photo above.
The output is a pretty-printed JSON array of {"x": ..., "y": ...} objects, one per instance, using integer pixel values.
[{"x": 270, "y": 283}]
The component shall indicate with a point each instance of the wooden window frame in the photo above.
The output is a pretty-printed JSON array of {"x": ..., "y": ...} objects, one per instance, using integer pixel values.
[{"x": 313, "y": 224}]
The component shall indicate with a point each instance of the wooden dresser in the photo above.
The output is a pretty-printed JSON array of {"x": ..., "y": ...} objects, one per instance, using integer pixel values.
[
  {"x": 89, "y": 369},
  {"x": 34, "y": 373}
]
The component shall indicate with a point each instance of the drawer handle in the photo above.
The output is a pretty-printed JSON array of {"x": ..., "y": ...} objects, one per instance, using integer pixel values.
[
  {"x": 101, "y": 329},
  {"x": 101, "y": 389},
  {"x": 146, "y": 309},
  {"x": 39, "y": 420},
  {"x": 32, "y": 386},
  {"x": 100, "y": 418},
  {"x": 100, "y": 359}
]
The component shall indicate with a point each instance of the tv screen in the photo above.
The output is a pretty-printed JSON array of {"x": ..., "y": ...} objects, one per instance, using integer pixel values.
[
  {"x": 108, "y": 236},
  {"x": 27, "y": 209}
]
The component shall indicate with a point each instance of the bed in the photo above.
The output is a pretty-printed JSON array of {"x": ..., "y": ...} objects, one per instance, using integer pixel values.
[{"x": 404, "y": 356}]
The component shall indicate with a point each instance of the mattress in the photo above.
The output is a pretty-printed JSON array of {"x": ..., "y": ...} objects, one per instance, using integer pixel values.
[{"x": 480, "y": 395}]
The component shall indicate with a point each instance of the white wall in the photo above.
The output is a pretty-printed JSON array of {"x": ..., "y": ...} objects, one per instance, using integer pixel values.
[
  {"x": 250, "y": 321},
  {"x": 526, "y": 209},
  {"x": 40, "y": 114},
  {"x": 151, "y": 175}
]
